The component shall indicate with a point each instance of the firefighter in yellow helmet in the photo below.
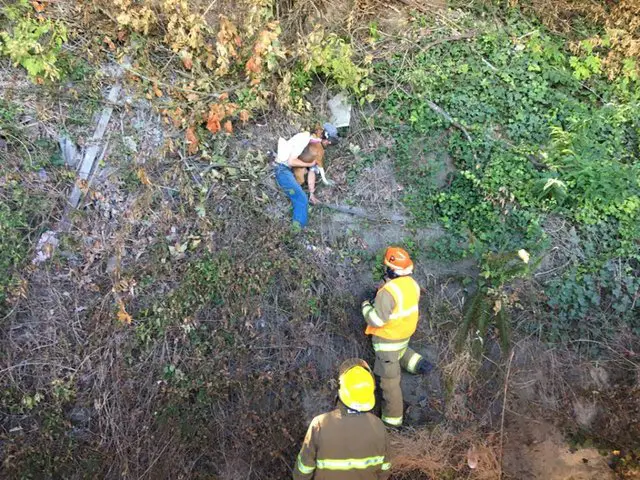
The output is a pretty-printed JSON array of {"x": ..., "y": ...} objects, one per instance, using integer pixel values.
[
  {"x": 349, "y": 443},
  {"x": 391, "y": 320}
]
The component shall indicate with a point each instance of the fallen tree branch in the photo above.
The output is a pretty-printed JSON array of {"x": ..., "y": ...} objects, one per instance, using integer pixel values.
[
  {"x": 449, "y": 119},
  {"x": 362, "y": 213},
  {"x": 155, "y": 81}
]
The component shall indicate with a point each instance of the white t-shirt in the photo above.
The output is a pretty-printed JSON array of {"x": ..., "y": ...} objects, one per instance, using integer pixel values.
[{"x": 292, "y": 148}]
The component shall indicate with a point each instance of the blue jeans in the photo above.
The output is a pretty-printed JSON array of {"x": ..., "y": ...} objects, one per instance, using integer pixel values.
[{"x": 299, "y": 200}]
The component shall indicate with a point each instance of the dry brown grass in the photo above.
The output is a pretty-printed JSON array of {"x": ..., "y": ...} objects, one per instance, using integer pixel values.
[
  {"x": 443, "y": 452},
  {"x": 258, "y": 368},
  {"x": 350, "y": 17}
]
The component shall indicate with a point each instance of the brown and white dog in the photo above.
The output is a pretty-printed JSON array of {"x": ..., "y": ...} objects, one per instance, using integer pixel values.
[{"x": 315, "y": 151}]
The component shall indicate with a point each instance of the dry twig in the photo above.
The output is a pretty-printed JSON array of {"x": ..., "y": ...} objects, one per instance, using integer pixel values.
[{"x": 504, "y": 405}]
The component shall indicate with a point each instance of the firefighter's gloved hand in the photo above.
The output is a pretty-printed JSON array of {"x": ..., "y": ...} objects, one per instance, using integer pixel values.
[
  {"x": 424, "y": 367},
  {"x": 370, "y": 297}
]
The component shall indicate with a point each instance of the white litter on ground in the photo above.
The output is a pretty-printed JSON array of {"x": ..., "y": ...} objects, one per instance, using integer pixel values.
[
  {"x": 340, "y": 110},
  {"x": 46, "y": 245}
]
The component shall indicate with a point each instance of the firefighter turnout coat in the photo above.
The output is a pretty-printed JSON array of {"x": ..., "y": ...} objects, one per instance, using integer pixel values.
[
  {"x": 391, "y": 321},
  {"x": 344, "y": 445},
  {"x": 394, "y": 316}
]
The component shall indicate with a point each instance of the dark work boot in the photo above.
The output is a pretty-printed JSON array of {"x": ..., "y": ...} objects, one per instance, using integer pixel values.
[{"x": 424, "y": 367}]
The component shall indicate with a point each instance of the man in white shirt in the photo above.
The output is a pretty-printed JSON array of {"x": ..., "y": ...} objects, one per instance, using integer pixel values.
[{"x": 287, "y": 157}]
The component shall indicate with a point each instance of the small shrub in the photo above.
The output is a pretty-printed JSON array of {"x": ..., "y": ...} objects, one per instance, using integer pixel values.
[
  {"x": 12, "y": 248},
  {"x": 612, "y": 30},
  {"x": 20, "y": 214},
  {"x": 331, "y": 56},
  {"x": 577, "y": 298},
  {"x": 32, "y": 42},
  {"x": 489, "y": 303},
  {"x": 201, "y": 287}
]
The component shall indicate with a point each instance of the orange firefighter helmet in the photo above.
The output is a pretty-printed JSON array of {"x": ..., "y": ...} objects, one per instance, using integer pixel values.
[{"x": 398, "y": 260}]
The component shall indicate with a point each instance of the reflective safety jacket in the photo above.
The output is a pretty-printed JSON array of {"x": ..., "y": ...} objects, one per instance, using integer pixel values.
[
  {"x": 344, "y": 445},
  {"x": 394, "y": 315}
]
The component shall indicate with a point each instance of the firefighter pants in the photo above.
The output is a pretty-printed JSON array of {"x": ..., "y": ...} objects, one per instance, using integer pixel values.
[{"x": 388, "y": 367}]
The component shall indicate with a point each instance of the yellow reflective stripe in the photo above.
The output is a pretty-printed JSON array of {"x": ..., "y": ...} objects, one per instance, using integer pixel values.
[
  {"x": 396, "y": 294},
  {"x": 386, "y": 466},
  {"x": 349, "y": 463},
  {"x": 396, "y": 421},
  {"x": 390, "y": 346},
  {"x": 303, "y": 468},
  {"x": 404, "y": 313},
  {"x": 372, "y": 316},
  {"x": 413, "y": 362},
  {"x": 399, "y": 299}
]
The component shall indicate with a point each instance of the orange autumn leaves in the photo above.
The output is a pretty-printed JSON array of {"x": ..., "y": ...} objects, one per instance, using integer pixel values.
[
  {"x": 39, "y": 5},
  {"x": 217, "y": 112},
  {"x": 265, "y": 51},
  {"x": 218, "y": 119},
  {"x": 193, "y": 144},
  {"x": 252, "y": 49},
  {"x": 227, "y": 45},
  {"x": 123, "y": 315},
  {"x": 246, "y": 47}
]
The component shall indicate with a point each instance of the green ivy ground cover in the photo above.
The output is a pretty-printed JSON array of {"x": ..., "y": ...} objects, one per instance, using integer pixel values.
[{"x": 550, "y": 136}]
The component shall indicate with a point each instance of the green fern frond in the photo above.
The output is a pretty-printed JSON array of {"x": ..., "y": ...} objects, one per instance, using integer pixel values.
[
  {"x": 551, "y": 188},
  {"x": 484, "y": 315},
  {"x": 502, "y": 323},
  {"x": 469, "y": 319}
]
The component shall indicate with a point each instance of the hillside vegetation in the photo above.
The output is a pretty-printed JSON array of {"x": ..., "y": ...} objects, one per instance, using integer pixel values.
[{"x": 174, "y": 326}]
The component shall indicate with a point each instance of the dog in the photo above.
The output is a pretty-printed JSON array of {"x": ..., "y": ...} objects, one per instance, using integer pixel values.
[{"x": 315, "y": 151}]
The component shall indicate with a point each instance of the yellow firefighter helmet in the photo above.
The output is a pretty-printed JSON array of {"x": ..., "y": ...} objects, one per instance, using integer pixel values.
[{"x": 357, "y": 385}]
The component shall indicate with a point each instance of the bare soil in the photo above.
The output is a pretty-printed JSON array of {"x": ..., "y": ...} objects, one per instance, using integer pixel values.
[{"x": 537, "y": 450}]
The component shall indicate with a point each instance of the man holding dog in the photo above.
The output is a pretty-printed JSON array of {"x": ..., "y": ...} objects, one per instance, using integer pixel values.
[{"x": 288, "y": 157}]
